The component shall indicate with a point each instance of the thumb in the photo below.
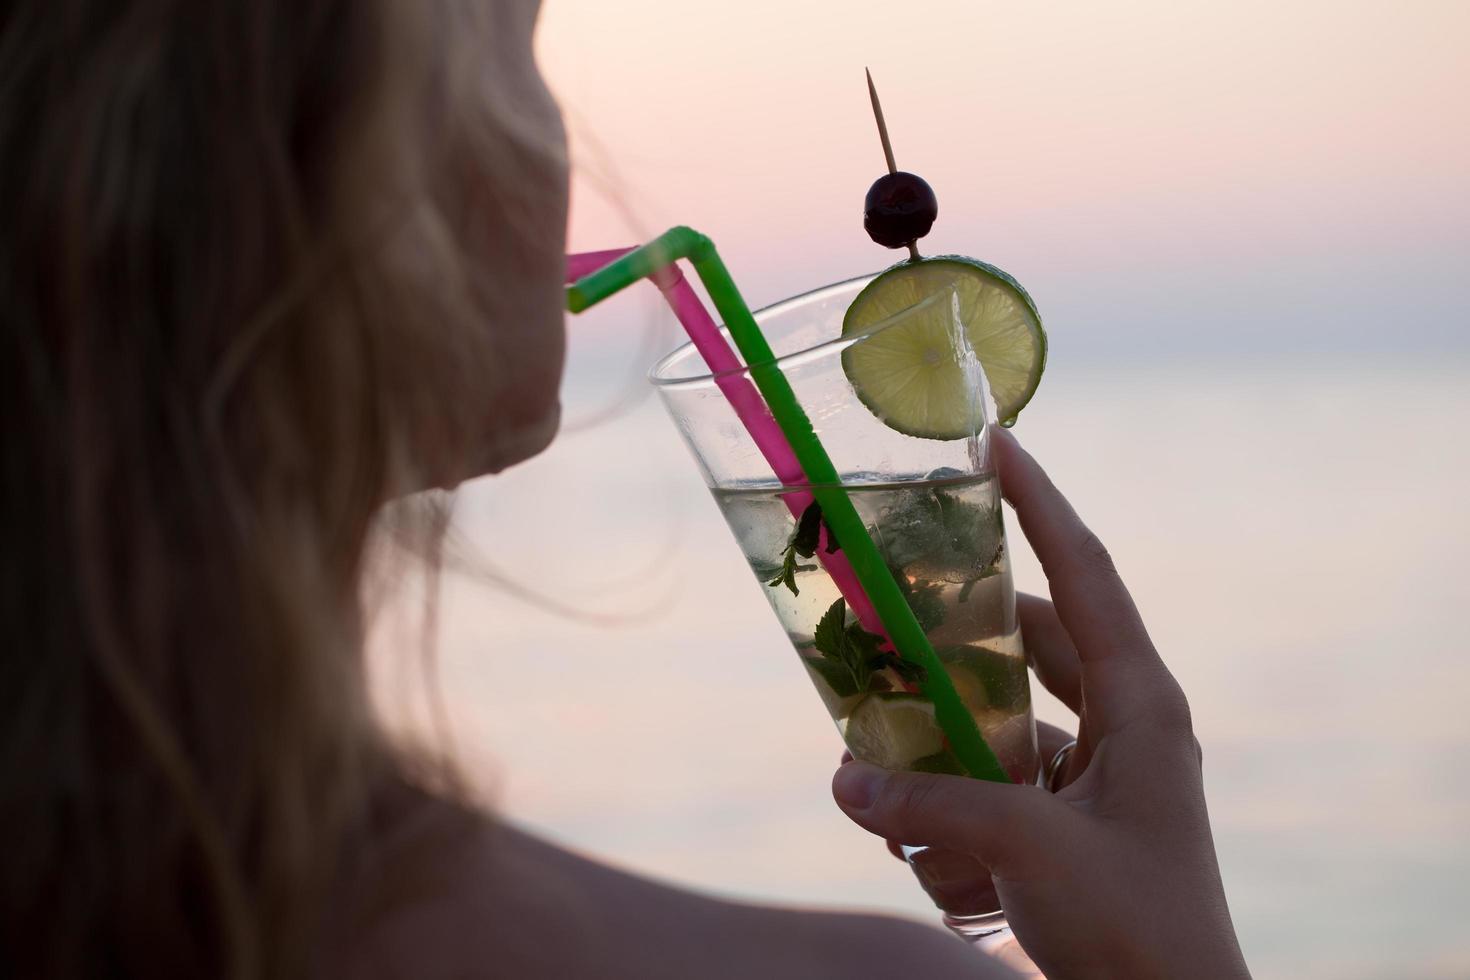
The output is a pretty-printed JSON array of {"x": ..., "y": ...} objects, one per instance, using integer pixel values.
[{"x": 994, "y": 822}]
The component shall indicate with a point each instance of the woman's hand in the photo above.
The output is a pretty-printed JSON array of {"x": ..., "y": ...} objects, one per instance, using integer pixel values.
[{"x": 1114, "y": 875}]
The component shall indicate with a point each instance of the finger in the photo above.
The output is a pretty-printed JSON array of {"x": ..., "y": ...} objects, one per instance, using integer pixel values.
[
  {"x": 1049, "y": 741},
  {"x": 995, "y": 822},
  {"x": 1050, "y": 650},
  {"x": 894, "y": 847},
  {"x": 1057, "y": 666},
  {"x": 1122, "y": 676}
]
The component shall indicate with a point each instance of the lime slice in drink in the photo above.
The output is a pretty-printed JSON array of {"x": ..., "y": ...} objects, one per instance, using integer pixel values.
[
  {"x": 908, "y": 374},
  {"x": 944, "y": 763},
  {"x": 892, "y": 730},
  {"x": 970, "y": 688}
]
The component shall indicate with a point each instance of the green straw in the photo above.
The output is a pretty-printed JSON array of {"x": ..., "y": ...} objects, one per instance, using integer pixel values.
[{"x": 837, "y": 510}]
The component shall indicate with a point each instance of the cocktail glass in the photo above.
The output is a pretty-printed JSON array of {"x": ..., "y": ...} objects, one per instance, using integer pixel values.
[{"x": 932, "y": 508}]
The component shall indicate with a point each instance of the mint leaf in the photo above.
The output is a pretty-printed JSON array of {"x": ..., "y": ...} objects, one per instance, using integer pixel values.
[
  {"x": 829, "y": 634},
  {"x": 989, "y": 572},
  {"x": 924, "y": 599},
  {"x": 837, "y": 676},
  {"x": 787, "y": 575},
  {"x": 847, "y": 648},
  {"x": 907, "y": 669},
  {"x": 860, "y": 648},
  {"x": 803, "y": 543},
  {"x": 975, "y": 531},
  {"x": 863, "y": 643},
  {"x": 808, "y": 531},
  {"x": 851, "y": 659},
  {"x": 854, "y": 654},
  {"x": 992, "y": 567}
]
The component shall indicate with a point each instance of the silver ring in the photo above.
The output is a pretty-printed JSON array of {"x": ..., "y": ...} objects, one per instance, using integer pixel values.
[{"x": 1054, "y": 767}]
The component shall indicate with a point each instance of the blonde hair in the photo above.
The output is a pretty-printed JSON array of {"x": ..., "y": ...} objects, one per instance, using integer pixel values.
[{"x": 236, "y": 279}]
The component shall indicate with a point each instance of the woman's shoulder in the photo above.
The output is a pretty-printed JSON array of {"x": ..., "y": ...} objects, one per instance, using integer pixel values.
[{"x": 466, "y": 895}]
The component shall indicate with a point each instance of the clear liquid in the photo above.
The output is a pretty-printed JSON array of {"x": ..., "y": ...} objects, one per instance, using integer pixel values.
[{"x": 944, "y": 540}]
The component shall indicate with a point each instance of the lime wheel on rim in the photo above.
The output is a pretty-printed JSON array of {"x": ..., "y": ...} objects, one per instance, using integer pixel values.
[{"x": 909, "y": 373}]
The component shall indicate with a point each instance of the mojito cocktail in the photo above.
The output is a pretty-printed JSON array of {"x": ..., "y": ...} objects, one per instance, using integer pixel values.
[
  {"x": 943, "y": 539},
  {"x": 931, "y": 506}
]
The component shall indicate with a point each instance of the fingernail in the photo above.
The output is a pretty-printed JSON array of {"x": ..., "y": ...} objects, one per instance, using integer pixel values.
[{"x": 857, "y": 784}]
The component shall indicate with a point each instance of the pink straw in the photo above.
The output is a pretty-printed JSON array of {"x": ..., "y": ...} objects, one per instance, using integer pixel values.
[{"x": 751, "y": 409}]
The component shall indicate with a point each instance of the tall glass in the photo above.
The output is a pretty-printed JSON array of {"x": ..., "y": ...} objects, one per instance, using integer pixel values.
[{"x": 933, "y": 508}]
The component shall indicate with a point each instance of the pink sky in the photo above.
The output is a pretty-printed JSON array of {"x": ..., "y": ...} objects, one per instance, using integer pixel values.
[{"x": 1058, "y": 132}]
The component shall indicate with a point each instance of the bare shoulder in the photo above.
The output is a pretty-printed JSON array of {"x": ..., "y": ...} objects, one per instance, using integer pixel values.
[{"x": 485, "y": 899}]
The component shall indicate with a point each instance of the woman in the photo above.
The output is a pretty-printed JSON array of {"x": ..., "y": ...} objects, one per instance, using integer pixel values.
[{"x": 264, "y": 267}]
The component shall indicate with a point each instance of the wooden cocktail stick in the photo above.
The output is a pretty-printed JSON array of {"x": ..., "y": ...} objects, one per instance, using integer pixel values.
[{"x": 887, "y": 146}]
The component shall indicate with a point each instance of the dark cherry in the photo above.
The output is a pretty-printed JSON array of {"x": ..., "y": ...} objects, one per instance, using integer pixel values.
[{"x": 900, "y": 208}]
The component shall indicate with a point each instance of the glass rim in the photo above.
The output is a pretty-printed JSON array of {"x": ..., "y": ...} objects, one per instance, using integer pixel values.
[{"x": 659, "y": 380}]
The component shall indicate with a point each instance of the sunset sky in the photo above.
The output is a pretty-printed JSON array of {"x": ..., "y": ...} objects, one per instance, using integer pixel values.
[{"x": 1163, "y": 176}]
